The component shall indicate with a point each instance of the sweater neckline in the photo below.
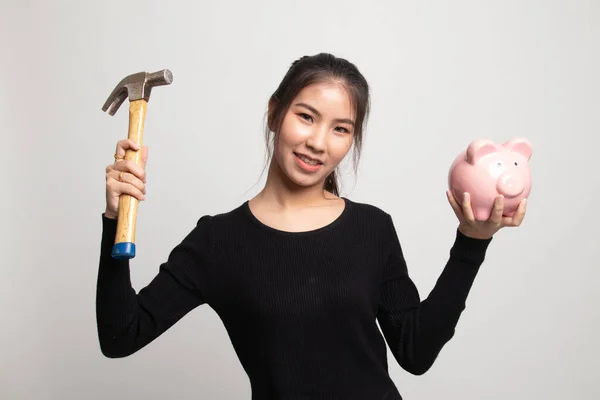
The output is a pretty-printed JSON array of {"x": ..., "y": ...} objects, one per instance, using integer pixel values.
[{"x": 331, "y": 225}]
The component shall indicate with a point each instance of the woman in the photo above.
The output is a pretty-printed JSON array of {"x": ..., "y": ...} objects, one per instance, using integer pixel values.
[{"x": 298, "y": 275}]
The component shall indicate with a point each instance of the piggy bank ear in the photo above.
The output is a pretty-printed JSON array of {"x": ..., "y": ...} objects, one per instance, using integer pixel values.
[
  {"x": 479, "y": 148},
  {"x": 521, "y": 146}
]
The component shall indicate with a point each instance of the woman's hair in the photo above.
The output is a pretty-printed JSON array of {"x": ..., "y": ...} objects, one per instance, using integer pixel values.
[{"x": 320, "y": 68}]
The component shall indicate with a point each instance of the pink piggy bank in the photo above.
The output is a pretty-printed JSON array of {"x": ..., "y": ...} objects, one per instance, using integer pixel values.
[{"x": 486, "y": 169}]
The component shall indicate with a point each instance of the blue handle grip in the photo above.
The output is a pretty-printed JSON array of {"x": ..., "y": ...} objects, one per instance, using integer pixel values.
[{"x": 123, "y": 251}]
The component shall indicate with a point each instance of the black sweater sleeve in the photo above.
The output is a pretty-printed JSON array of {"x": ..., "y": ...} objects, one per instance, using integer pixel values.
[
  {"x": 417, "y": 330},
  {"x": 127, "y": 321}
]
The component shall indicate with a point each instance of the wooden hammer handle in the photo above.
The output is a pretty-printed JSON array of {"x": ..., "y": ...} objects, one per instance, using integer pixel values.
[{"x": 124, "y": 247}]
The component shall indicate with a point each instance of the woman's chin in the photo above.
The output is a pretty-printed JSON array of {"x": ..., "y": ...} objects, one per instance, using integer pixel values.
[
  {"x": 298, "y": 176},
  {"x": 300, "y": 179}
]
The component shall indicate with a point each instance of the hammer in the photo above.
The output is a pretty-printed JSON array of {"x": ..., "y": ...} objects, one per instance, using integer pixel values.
[{"x": 138, "y": 87}]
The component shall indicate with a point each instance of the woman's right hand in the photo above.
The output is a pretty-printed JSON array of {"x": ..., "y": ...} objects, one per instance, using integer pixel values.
[{"x": 125, "y": 177}]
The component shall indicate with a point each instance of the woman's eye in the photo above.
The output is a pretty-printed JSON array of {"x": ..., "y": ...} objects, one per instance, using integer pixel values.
[
  {"x": 305, "y": 116},
  {"x": 343, "y": 130}
]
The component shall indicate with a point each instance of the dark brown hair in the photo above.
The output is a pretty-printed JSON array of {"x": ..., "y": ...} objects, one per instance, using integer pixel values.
[{"x": 308, "y": 70}]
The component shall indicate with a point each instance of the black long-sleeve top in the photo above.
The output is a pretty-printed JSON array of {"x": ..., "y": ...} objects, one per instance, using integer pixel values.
[{"x": 300, "y": 308}]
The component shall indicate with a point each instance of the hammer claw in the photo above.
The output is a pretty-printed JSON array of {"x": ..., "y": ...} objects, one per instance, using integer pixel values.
[{"x": 115, "y": 100}]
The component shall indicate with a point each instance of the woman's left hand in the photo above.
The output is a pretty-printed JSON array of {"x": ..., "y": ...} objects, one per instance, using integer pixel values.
[{"x": 468, "y": 226}]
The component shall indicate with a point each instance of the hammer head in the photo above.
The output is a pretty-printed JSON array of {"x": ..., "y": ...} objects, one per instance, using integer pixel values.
[{"x": 136, "y": 86}]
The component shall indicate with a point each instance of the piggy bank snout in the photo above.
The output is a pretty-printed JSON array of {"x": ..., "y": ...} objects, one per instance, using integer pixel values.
[{"x": 510, "y": 185}]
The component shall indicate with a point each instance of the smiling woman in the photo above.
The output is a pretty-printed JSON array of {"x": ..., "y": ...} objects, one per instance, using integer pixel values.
[
  {"x": 330, "y": 96},
  {"x": 298, "y": 275},
  {"x": 316, "y": 141}
]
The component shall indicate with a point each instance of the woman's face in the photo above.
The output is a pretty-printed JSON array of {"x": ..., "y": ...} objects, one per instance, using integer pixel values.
[{"x": 316, "y": 134}]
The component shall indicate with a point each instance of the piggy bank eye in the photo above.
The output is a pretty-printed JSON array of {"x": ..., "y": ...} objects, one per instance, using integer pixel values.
[
  {"x": 516, "y": 163},
  {"x": 499, "y": 164}
]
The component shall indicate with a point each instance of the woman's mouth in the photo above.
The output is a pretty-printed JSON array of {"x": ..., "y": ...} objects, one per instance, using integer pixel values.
[
  {"x": 307, "y": 159},
  {"x": 307, "y": 163}
]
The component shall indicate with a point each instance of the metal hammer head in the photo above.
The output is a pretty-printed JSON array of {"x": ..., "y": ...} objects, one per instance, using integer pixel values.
[{"x": 136, "y": 86}]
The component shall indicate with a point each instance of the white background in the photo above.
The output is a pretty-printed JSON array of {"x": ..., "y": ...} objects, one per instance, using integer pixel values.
[{"x": 442, "y": 73}]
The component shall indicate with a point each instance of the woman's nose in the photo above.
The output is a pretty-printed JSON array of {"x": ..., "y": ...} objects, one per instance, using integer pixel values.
[{"x": 317, "y": 139}]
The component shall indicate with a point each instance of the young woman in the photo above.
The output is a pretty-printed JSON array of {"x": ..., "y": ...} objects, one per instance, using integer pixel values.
[{"x": 298, "y": 275}]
